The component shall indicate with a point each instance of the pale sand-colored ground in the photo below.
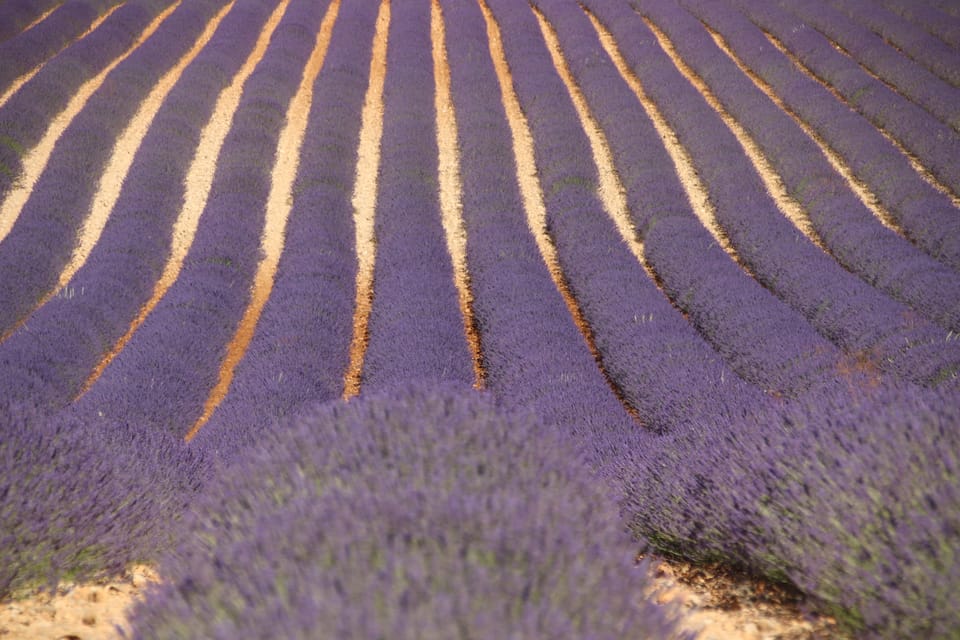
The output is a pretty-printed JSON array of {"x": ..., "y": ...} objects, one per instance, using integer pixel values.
[{"x": 717, "y": 605}]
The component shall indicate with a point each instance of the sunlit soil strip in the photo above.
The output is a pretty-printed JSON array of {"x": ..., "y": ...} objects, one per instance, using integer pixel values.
[
  {"x": 25, "y": 78},
  {"x": 365, "y": 200},
  {"x": 279, "y": 203},
  {"x": 40, "y": 19},
  {"x": 108, "y": 191},
  {"x": 696, "y": 191},
  {"x": 35, "y": 160},
  {"x": 863, "y": 193},
  {"x": 532, "y": 192},
  {"x": 451, "y": 204},
  {"x": 771, "y": 180},
  {"x": 922, "y": 171},
  {"x": 611, "y": 191},
  {"x": 198, "y": 182}
]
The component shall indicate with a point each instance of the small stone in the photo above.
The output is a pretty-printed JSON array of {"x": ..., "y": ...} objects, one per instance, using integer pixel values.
[{"x": 89, "y": 619}]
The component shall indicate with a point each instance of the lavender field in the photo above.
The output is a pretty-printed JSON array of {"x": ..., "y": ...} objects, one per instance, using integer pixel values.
[{"x": 423, "y": 318}]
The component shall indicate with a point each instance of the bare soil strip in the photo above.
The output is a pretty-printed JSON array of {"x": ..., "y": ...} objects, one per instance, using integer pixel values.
[
  {"x": 25, "y": 78},
  {"x": 108, "y": 191},
  {"x": 197, "y": 183},
  {"x": 43, "y": 16},
  {"x": 96, "y": 610},
  {"x": 771, "y": 180},
  {"x": 870, "y": 72},
  {"x": 861, "y": 190},
  {"x": 696, "y": 191},
  {"x": 365, "y": 200},
  {"x": 610, "y": 188},
  {"x": 451, "y": 205},
  {"x": 279, "y": 203},
  {"x": 531, "y": 192},
  {"x": 922, "y": 171},
  {"x": 35, "y": 160}
]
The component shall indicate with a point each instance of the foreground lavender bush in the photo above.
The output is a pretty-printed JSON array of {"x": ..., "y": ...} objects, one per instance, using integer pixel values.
[
  {"x": 77, "y": 502},
  {"x": 409, "y": 514},
  {"x": 852, "y": 496}
]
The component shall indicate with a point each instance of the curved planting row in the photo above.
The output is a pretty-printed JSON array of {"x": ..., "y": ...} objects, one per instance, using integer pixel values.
[
  {"x": 56, "y": 220},
  {"x": 260, "y": 219},
  {"x": 912, "y": 193},
  {"x": 907, "y": 77},
  {"x": 933, "y": 143},
  {"x": 842, "y": 224},
  {"x": 23, "y": 54},
  {"x": 18, "y": 16},
  {"x": 934, "y": 20},
  {"x": 688, "y": 263},
  {"x": 533, "y": 354},
  {"x": 167, "y": 371},
  {"x": 857, "y": 317},
  {"x": 300, "y": 349},
  {"x": 73, "y": 333},
  {"x": 415, "y": 329},
  {"x": 914, "y": 41},
  {"x": 56, "y": 94}
]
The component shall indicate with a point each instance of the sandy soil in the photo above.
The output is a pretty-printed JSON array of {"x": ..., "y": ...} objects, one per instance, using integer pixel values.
[
  {"x": 715, "y": 603},
  {"x": 93, "y": 611}
]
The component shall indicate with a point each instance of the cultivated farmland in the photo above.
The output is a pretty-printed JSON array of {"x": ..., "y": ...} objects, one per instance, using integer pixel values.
[{"x": 420, "y": 319}]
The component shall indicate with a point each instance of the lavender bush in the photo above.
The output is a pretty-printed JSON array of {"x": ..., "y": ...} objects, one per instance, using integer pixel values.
[
  {"x": 409, "y": 514},
  {"x": 78, "y": 502},
  {"x": 850, "y": 494}
]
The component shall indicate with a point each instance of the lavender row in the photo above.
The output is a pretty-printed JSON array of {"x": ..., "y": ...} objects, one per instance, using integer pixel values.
[
  {"x": 300, "y": 350},
  {"x": 845, "y": 226},
  {"x": 533, "y": 354},
  {"x": 766, "y": 341},
  {"x": 910, "y": 40},
  {"x": 164, "y": 375},
  {"x": 26, "y": 115},
  {"x": 28, "y": 50},
  {"x": 935, "y": 21},
  {"x": 947, "y": 6},
  {"x": 418, "y": 514},
  {"x": 858, "y": 318},
  {"x": 42, "y": 241},
  {"x": 849, "y": 495},
  {"x": 934, "y": 143},
  {"x": 82, "y": 502},
  {"x": 16, "y": 15},
  {"x": 631, "y": 320},
  {"x": 50, "y": 359},
  {"x": 927, "y": 216},
  {"x": 416, "y": 328},
  {"x": 907, "y": 77}
]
